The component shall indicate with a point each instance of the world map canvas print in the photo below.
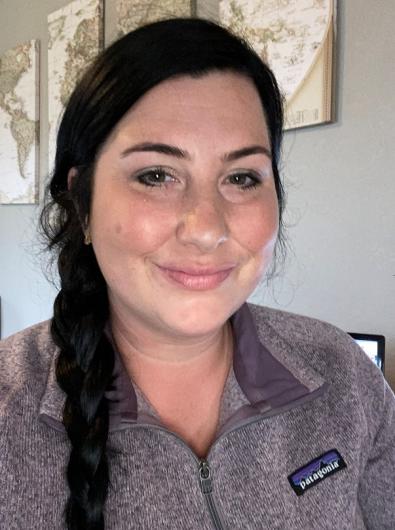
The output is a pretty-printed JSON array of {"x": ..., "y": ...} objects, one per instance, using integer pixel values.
[
  {"x": 75, "y": 38},
  {"x": 296, "y": 39},
  {"x": 19, "y": 124}
]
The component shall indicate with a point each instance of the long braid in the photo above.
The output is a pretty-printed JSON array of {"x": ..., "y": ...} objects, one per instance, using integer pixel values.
[{"x": 84, "y": 372}]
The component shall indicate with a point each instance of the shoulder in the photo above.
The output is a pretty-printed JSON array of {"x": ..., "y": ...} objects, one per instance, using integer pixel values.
[
  {"x": 296, "y": 327},
  {"x": 320, "y": 344},
  {"x": 329, "y": 351},
  {"x": 316, "y": 341},
  {"x": 25, "y": 357},
  {"x": 323, "y": 347}
]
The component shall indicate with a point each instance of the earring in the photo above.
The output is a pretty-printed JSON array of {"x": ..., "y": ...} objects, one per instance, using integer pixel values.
[
  {"x": 87, "y": 238},
  {"x": 87, "y": 233}
]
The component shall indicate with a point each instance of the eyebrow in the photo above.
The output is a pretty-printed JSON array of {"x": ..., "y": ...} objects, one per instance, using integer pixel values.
[{"x": 171, "y": 150}]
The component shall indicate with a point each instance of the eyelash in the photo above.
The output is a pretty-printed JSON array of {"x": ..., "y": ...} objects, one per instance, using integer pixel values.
[
  {"x": 255, "y": 181},
  {"x": 143, "y": 179},
  {"x": 155, "y": 171}
]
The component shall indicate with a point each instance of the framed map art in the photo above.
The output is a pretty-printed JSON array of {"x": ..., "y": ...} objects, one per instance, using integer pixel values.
[
  {"x": 75, "y": 38},
  {"x": 19, "y": 124},
  {"x": 297, "y": 40},
  {"x": 131, "y": 14}
]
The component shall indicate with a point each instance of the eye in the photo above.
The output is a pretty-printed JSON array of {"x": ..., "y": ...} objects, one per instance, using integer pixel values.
[
  {"x": 244, "y": 180},
  {"x": 155, "y": 177}
]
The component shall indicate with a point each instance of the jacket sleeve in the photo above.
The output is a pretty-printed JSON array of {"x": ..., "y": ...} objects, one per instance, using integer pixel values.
[{"x": 377, "y": 485}]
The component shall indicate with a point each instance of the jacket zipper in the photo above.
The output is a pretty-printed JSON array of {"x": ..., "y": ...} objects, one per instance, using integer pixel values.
[
  {"x": 203, "y": 465},
  {"x": 207, "y": 489}
]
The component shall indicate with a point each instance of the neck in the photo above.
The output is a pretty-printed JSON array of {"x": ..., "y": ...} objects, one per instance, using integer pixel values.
[{"x": 156, "y": 358}]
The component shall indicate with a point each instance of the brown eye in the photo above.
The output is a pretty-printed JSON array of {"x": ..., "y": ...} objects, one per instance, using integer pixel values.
[
  {"x": 244, "y": 181},
  {"x": 154, "y": 177}
]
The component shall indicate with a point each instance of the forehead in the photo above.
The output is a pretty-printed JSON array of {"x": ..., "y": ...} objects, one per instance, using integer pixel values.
[{"x": 218, "y": 104}]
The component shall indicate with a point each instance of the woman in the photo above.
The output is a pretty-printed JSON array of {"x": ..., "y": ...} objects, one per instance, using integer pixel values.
[{"x": 157, "y": 398}]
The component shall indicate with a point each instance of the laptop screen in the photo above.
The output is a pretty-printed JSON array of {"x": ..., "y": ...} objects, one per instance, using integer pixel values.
[{"x": 373, "y": 346}]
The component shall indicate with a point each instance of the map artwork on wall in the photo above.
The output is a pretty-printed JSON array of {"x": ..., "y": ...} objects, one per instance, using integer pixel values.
[
  {"x": 19, "y": 124},
  {"x": 134, "y": 13},
  {"x": 296, "y": 40},
  {"x": 75, "y": 38}
]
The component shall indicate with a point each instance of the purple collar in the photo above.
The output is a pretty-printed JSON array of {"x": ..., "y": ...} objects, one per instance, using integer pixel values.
[
  {"x": 263, "y": 379},
  {"x": 266, "y": 377}
]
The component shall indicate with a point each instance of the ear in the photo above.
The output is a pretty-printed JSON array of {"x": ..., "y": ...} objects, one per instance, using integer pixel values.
[
  {"x": 70, "y": 176},
  {"x": 84, "y": 222}
]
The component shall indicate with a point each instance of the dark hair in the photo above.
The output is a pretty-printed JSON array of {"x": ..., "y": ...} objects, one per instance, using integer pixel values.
[{"x": 116, "y": 80}]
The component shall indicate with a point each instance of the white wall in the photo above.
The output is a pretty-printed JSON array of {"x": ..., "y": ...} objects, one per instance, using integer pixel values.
[{"x": 340, "y": 181}]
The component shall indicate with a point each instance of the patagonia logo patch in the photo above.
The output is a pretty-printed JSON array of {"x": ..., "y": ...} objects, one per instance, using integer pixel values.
[{"x": 315, "y": 471}]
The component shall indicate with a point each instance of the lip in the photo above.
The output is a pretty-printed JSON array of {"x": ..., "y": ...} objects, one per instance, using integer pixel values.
[{"x": 197, "y": 278}]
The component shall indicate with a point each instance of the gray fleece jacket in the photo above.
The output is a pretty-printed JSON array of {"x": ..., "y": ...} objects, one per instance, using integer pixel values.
[{"x": 306, "y": 438}]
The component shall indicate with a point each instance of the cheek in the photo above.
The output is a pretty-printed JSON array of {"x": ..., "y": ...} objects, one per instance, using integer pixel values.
[
  {"x": 257, "y": 228},
  {"x": 256, "y": 233},
  {"x": 131, "y": 230}
]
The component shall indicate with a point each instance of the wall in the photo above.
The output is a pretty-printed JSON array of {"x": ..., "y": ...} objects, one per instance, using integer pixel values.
[{"x": 339, "y": 177}]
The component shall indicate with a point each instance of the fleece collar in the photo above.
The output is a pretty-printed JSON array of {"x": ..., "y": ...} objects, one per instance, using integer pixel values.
[{"x": 260, "y": 381}]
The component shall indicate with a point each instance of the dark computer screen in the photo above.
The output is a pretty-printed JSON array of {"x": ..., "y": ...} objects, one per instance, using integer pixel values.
[{"x": 372, "y": 345}]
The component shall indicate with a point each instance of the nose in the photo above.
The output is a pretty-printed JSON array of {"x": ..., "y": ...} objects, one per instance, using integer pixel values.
[{"x": 203, "y": 224}]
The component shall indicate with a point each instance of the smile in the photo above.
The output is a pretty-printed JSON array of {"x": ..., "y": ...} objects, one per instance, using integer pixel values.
[{"x": 197, "y": 280}]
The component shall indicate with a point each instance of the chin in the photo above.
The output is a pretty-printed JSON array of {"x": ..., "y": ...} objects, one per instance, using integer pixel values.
[{"x": 199, "y": 317}]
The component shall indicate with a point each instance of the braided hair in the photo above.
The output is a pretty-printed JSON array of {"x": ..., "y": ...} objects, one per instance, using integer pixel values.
[{"x": 119, "y": 76}]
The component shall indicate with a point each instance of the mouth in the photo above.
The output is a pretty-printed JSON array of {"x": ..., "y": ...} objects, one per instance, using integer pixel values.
[{"x": 197, "y": 279}]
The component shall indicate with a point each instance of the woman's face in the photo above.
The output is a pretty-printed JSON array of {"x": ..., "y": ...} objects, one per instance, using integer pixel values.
[{"x": 184, "y": 213}]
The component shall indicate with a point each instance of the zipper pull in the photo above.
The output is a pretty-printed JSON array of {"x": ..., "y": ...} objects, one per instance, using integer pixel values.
[{"x": 205, "y": 477}]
